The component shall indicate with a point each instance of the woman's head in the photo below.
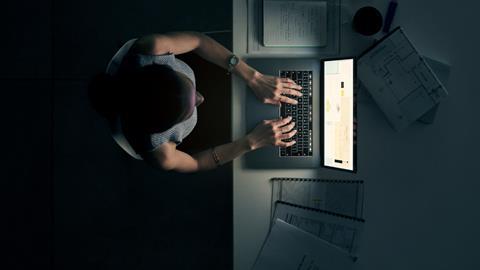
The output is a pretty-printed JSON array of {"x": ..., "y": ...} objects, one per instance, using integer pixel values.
[{"x": 152, "y": 98}]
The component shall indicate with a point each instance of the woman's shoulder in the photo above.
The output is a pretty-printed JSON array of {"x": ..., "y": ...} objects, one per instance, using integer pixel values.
[
  {"x": 143, "y": 45},
  {"x": 161, "y": 157},
  {"x": 151, "y": 45},
  {"x": 141, "y": 53}
]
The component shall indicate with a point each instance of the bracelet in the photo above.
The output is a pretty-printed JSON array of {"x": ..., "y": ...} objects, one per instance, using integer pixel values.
[{"x": 215, "y": 157}]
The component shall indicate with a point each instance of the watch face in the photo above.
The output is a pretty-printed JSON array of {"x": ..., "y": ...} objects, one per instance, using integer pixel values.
[{"x": 233, "y": 60}]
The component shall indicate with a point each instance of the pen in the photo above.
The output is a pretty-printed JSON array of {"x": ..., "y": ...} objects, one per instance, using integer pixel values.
[{"x": 392, "y": 6}]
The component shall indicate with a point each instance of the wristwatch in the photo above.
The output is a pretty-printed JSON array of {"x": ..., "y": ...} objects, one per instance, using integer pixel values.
[{"x": 232, "y": 62}]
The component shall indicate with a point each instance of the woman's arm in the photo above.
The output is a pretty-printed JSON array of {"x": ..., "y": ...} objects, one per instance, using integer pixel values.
[
  {"x": 269, "y": 132},
  {"x": 268, "y": 89},
  {"x": 183, "y": 42},
  {"x": 167, "y": 157}
]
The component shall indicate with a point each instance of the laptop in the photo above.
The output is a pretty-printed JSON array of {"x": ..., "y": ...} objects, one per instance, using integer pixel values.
[{"x": 308, "y": 152}]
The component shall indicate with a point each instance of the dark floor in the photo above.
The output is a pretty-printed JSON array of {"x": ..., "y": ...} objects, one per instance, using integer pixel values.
[{"x": 73, "y": 199}]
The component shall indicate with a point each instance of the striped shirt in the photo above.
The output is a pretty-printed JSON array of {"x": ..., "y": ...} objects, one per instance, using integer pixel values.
[{"x": 138, "y": 143}]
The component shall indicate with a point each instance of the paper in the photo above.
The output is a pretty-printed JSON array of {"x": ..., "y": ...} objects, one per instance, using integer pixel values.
[
  {"x": 295, "y": 23},
  {"x": 343, "y": 232},
  {"x": 289, "y": 248},
  {"x": 342, "y": 197},
  {"x": 399, "y": 80}
]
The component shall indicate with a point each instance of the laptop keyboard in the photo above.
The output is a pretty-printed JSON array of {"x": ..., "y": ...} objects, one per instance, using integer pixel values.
[{"x": 301, "y": 114}]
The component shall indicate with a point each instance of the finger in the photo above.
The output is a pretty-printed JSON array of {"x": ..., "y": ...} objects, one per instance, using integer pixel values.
[
  {"x": 291, "y": 84},
  {"x": 285, "y": 144},
  {"x": 282, "y": 122},
  {"x": 272, "y": 102},
  {"x": 288, "y": 135},
  {"x": 288, "y": 127},
  {"x": 291, "y": 92},
  {"x": 285, "y": 99},
  {"x": 267, "y": 121},
  {"x": 287, "y": 80}
]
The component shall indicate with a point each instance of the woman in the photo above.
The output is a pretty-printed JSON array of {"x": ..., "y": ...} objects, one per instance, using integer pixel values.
[{"x": 149, "y": 99}]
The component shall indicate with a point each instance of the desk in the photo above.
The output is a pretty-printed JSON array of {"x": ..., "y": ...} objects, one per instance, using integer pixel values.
[{"x": 421, "y": 197}]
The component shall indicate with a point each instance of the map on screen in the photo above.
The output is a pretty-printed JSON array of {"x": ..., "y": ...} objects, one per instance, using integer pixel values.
[{"x": 339, "y": 113}]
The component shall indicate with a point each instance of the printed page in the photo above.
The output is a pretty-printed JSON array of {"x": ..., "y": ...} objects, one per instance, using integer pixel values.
[
  {"x": 343, "y": 232},
  {"x": 342, "y": 197},
  {"x": 399, "y": 80},
  {"x": 289, "y": 248},
  {"x": 295, "y": 23}
]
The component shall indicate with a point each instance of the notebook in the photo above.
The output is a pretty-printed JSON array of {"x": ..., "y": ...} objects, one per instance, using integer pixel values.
[
  {"x": 339, "y": 230},
  {"x": 344, "y": 197},
  {"x": 294, "y": 23},
  {"x": 289, "y": 248}
]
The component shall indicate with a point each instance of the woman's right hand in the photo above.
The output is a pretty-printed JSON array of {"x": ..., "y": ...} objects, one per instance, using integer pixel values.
[{"x": 272, "y": 132}]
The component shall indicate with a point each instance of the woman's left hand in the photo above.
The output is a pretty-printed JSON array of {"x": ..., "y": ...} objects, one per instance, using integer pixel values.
[{"x": 273, "y": 90}]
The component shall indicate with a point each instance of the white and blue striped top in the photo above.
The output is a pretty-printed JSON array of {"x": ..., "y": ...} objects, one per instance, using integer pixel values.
[{"x": 149, "y": 142}]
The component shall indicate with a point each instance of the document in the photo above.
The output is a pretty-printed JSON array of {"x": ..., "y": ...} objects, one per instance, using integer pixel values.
[
  {"x": 340, "y": 196},
  {"x": 400, "y": 80},
  {"x": 295, "y": 23},
  {"x": 341, "y": 231},
  {"x": 289, "y": 248}
]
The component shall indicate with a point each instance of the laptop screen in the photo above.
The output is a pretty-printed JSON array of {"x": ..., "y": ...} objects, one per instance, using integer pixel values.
[{"x": 339, "y": 114}]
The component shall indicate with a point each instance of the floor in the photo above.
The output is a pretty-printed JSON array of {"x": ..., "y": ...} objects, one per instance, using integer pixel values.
[{"x": 73, "y": 199}]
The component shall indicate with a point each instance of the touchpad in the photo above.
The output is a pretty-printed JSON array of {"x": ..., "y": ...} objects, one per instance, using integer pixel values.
[{"x": 257, "y": 111}]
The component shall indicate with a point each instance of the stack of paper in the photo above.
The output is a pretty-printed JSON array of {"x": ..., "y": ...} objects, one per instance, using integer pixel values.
[
  {"x": 273, "y": 27},
  {"x": 315, "y": 224},
  {"x": 289, "y": 248},
  {"x": 400, "y": 80}
]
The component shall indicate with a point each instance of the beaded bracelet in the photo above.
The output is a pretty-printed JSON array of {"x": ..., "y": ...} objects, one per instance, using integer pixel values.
[{"x": 215, "y": 157}]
